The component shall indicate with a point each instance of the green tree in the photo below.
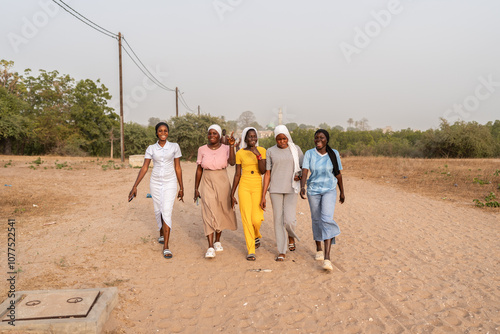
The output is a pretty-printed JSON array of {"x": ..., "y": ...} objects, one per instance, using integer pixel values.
[
  {"x": 324, "y": 126},
  {"x": 91, "y": 118},
  {"x": 152, "y": 121},
  {"x": 246, "y": 119},
  {"x": 190, "y": 132},
  {"x": 460, "y": 140},
  {"x": 292, "y": 126},
  {"x": 137, "y": 138},
  {"x": 14, "y": 126}
]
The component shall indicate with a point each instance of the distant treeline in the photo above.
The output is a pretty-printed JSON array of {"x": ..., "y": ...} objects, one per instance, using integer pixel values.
[
  {"x": 458, "y": 140},
  {"x": 54, "y": 114}
]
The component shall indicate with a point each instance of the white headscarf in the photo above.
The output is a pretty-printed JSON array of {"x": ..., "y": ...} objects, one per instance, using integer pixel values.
[
  {"x": 243, "y": 144},
  {"x": 281, "y": 129},
  {"x": 216, "y": 128}
]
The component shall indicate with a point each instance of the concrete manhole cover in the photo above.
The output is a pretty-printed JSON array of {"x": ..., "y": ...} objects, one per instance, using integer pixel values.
[
  {"x": 54, "y": 305},
  {"x": 58, "y": 311}
]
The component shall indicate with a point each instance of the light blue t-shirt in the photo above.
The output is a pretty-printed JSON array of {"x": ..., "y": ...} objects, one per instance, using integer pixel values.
[{"x": 321, "y": 179}]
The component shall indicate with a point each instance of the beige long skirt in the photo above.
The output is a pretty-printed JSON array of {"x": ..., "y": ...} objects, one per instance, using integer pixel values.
[{"x": 215, "y": 191}]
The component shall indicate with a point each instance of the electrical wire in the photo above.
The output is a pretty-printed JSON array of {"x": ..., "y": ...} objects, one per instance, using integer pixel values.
[
  {"x": 185, "y": 103},
  {"x": 124, "y": 49},
  {"x": 114, "y": 36},
  {"x": 112, "y": 33},
  {"x": 108, "y": 33},
  {"x": 158, "y": 82}
]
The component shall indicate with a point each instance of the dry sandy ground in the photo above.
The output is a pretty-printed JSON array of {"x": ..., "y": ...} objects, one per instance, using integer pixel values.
[{"x": 404, "y": 263}]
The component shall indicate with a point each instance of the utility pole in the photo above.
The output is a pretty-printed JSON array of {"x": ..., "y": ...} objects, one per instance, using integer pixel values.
[
  {"x": 198, "y": 110},
  {"x": 111, "y": 139},
  {"x": 176, "y": 102},
  {"x": 122, "y": 136}
]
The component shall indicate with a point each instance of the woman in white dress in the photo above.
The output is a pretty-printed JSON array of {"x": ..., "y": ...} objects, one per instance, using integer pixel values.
[{"x": 166, "y": 174}]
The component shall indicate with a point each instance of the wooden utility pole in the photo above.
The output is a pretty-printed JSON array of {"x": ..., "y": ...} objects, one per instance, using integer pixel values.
[
  {"x": 111, "y": 139},
  {"x": 176, "y": 102},
  {"x": 198, "y": 110},
  {"x": 122, "y": 136}
]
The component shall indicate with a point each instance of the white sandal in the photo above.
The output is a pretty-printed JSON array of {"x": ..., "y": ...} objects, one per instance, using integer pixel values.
[
  {"x": 327, "y": 265},
  {"x": 210, "y": 253},
  {"x": 218, "y": 247},
  {"x": 319, "y": 256}
]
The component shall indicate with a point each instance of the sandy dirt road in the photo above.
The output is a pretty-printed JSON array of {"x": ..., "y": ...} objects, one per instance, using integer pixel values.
[{"x": 404, "y": 263}]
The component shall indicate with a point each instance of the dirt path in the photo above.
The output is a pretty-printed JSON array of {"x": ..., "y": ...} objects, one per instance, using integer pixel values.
[{"x": 404, "y": 263}]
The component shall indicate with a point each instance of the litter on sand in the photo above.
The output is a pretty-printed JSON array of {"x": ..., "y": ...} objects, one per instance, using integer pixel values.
[
  {"x": 148, "y": 196},
  {"x": 261, "y": 270}
]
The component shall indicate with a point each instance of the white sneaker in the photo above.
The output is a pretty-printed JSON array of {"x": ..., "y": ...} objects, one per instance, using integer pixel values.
[
  {"x": 218, "y": 247},
  {"x": 327, "y": 265},
  {"x": 319, "y": 256},
  {"x": 210, "y": 253}
]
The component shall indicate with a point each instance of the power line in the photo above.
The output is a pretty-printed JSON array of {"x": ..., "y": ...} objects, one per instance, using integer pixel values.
[
  {"x": 185, "y": 103},
  {"x": 108, "y": 33},
  {"x": 158, "y": 82},
  {"x": 112, "y": 33},
  {"x": 124, "y": 49},
  {"x": 114, "y": 36}
]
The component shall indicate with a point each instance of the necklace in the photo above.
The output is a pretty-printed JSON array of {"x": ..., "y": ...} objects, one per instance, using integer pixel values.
[{"x": 213, "y": 148}]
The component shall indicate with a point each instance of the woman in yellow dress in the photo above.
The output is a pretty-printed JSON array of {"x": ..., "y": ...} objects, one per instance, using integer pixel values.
[{"x": 250, "y": 165}]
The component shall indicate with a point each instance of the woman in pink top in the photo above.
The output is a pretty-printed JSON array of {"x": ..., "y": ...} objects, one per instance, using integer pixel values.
[{"x": 213, "y": 187}]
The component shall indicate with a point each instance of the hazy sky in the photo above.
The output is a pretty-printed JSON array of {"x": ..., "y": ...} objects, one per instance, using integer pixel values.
[{"x": 397, "y": 63}]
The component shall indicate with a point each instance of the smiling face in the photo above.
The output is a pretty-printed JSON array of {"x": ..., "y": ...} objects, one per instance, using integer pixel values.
[
  {"x": 213, "y": 137},
  {"x": 282, "y": 141},
  {"x": 320, "y": 141},
  {"x": 251, "y": 138},
  {"x": 162, "y": 133}
]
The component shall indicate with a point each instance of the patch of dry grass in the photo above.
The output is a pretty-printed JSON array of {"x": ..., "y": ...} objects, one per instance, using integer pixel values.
[{"x": 456, "y": 180}]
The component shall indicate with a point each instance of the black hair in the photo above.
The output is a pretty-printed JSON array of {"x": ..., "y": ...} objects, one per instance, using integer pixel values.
[
  {"x": 331, "y": 154},
  {"x": 251, "y": 129},
  {"x": 158, "y": 125}
]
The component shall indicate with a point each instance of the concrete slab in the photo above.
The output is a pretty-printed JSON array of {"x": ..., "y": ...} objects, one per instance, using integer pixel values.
[
  {"x": 55, "y": 304},
  {"x": 137, "y": 160},
  {"x": 93, "y": 322}
]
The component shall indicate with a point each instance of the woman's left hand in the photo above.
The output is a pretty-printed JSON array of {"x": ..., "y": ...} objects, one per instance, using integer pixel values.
[
  {"x": 231, "y": 139},
  {"x": 196, "y": 195},
  {"x": 341, "y": 197},
  {"x": 255, "y": 151},
  {"x": 180, "y": 195}
]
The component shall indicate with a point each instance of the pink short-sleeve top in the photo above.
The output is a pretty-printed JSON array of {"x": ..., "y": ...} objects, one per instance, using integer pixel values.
[{"x": 213, "y": 159}]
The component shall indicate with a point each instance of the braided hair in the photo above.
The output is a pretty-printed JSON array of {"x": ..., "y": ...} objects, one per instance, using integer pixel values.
[{"x": 331, "y": 154}]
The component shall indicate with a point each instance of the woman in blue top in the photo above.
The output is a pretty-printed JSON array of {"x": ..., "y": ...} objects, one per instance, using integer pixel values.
[{"x": 325, "y": 166}]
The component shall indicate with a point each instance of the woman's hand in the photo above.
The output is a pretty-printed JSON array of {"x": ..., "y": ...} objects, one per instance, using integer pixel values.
[
  {"x": 196, "y": 195},
  {"x": 180, "y": 195},
  {"x": 341, "y": 197},
  {"x": 263, "y": 204},
  {"x": 233, "y": 202},
  {"x": 303, "y": 193},
  {"x": 231, "y": 139},
  {"x": 132, "y": 193}
]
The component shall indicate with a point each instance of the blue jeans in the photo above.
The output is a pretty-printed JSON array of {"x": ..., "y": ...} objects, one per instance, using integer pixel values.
[{"x": 322, "y": 210}]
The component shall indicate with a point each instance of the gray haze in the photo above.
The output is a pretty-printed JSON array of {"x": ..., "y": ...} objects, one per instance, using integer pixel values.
[{"x": 397, "y": 63}]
